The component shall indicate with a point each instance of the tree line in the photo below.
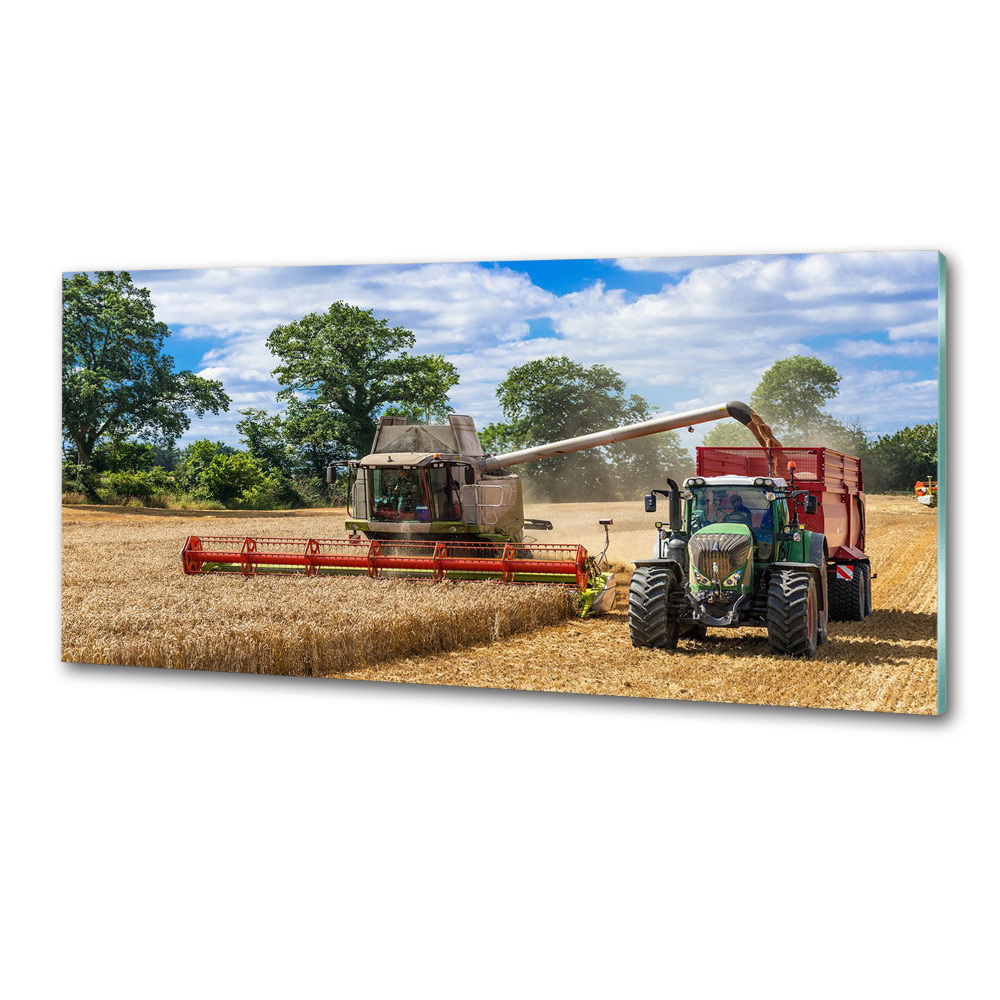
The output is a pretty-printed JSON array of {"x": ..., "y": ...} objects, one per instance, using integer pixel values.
[{"x": 125, "y": 407}]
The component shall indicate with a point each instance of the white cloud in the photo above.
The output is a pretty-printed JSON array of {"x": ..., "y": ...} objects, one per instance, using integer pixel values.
[
  {"x": 672, "y": 265},
  {"x": 875, "y": 348},
  {"x": 923, "y": 328},
  {"x": 707, "y": 338}
]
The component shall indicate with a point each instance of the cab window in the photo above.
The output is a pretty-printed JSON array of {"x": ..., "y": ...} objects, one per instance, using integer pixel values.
[
  {"x": 445, "y": 482},
  {"x": 398, "y": 495}
]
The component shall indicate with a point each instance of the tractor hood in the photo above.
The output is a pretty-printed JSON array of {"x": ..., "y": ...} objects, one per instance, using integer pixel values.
[{"x": 721, "y": 557}]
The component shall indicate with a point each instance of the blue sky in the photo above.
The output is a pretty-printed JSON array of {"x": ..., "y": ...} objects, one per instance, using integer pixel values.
[{"x": 684, "y": 331}]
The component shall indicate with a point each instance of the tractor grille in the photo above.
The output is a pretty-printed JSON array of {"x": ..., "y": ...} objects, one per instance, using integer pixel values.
[{"x": 718, "y": 556}]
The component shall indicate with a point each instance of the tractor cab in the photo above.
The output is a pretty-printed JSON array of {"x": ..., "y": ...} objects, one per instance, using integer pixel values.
[{"x": 735, "y": 500}]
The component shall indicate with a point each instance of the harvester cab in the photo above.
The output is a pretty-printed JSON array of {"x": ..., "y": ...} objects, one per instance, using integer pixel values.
[{"x": 734, "y": 555}]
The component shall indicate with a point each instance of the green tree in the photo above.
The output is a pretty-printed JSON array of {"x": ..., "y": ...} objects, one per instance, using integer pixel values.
[
  {"x": 555, "y": 398},
  {"x": 730, "y": 434},
  {"x": 792, "y": 393},
  {"x": 354, "y": 366},
  {"x": 896, "y": 461},
  {"x": 314, "y": 432},
  {"x": 116, "y": 380},
  {"x": 228, "y": 477},
  {"x": 195, "y": 458},
  {"x": 263, "y": 434},
  {"x": 124, "y": 456},
  {"x": 790, "y": 397}
]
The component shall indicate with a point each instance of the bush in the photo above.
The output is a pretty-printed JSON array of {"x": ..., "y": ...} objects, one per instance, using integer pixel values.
[
  {"x": 81, "y": 480},
  {"x": 276, "y": 492},
  {"x": 142, "y": 486},
  {"x": 272, "y": 493},
  {"x": 230, "y": 479},
  {"x": 896, "y": 461}
]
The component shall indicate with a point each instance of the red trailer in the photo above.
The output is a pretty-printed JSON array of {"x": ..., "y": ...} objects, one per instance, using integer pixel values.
[{"x": 835, "y": 480}]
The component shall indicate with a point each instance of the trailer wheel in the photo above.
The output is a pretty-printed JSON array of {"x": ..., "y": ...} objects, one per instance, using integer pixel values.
[
  {"x": 867, "y": 570},
  {"x": 792, "y": 613},
  {"x": 651, "y": 621},
  {"x": 848, "y": 601}
]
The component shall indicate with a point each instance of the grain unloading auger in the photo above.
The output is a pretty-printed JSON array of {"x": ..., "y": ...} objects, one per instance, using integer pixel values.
[{"x": 428, "y": 504}]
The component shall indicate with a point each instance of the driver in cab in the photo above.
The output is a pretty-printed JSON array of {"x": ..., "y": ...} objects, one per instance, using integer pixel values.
[{"x": 734, "y": 511}]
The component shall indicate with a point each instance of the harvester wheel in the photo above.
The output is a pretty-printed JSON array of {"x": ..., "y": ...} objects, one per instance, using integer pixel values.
[
  {"x": 792, "y": 613},
  {"x": 651, "y": 621},
  {"x": 848, "y": 598}
]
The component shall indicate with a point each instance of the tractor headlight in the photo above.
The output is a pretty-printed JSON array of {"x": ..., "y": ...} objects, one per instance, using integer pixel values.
[
  {"x": 733, "y": 580},
  {"x": 700, "y": 577}
]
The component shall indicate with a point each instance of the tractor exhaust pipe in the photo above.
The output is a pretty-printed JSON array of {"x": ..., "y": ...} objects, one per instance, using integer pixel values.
[
  {"x": 614, "y": 435},
  {"x": 676, "y": 525}
]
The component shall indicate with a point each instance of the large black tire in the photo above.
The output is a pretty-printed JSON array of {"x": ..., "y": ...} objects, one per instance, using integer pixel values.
[
  {"x": 792, "y": 613},
  {"x": 651, "y": 621},
  {"x": 848, "y": 598},
  {"x": 867, "y": 570}
]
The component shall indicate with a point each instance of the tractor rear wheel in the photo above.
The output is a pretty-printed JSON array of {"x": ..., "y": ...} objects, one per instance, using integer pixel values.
[
  {"x": 792, "y": 613},
  {"x": 652, "y": 622},
  {"x": 848, "y": 601}
]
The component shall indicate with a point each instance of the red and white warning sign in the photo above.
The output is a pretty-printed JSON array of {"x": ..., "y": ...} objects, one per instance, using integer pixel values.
[{"x": 845, "y": 572}]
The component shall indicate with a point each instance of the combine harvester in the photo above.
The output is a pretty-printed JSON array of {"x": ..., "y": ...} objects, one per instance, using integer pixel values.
[
  {"x": 926, "y": 492},
  {"x": 428, "y": 504}
]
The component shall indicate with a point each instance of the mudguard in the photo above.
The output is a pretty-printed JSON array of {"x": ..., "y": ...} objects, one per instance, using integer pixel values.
[
  {"x": 816, "y": 565},
  {"x": 678, "y": 569}
]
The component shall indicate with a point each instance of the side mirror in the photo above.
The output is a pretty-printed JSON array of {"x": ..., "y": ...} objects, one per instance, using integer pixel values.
[
  {"x": 470, "y": 475},
  {"x": 809, "y": 505},
  {"x": 650, "y": 503}
]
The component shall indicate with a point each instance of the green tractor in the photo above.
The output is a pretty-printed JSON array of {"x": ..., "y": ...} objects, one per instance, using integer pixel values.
[{"x": 733, "y": 554}]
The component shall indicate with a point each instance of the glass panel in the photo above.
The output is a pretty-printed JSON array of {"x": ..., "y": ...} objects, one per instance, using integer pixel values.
[
  {"x": 399, "y": 495},
  {"x": 444, "y": 485},
  {"x": 735, "y": 505}
]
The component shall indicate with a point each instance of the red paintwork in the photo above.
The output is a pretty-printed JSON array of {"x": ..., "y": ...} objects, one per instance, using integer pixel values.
[
  {"x": 831, "y": 476},
  {"x": 437, "y": 558}
]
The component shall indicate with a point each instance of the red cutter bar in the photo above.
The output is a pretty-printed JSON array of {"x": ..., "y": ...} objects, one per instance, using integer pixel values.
[{"x": 513, "y": 563}]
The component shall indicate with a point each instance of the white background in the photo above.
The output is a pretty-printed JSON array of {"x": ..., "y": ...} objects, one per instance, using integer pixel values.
[{"x": 224, "y": 836}]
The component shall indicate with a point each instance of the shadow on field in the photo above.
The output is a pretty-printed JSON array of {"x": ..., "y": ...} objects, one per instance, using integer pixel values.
[
  {"x": 891, "y": 624},
  {"x": 885, "y": 636}
]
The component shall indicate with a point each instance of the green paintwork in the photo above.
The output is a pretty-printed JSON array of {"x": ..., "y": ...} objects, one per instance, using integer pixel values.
[
  {"x": 594, "y": 589},
  {"x": 745, "y": 582}
]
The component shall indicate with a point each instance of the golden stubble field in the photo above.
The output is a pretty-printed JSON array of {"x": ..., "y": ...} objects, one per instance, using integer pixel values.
[{"x": 126, "y": 601}]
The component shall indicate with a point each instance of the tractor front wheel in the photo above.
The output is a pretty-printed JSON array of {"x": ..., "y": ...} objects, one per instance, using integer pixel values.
[
  {"x": 792, "y": 613},
  {"x": 651, "y": 620}
]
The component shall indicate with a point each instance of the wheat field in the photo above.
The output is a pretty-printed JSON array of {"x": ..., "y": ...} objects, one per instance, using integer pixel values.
[{"x": 126, "y": 601}]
